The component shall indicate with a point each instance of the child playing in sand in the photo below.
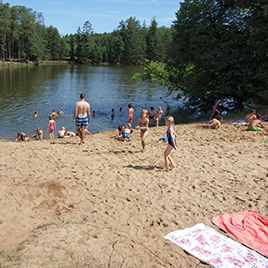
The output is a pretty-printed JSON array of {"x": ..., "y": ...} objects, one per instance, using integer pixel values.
[
  {"x": 22, "y": 137},
  {"x": 125, "y": 132},
  {"x": 143, "y": 126},
  {"x": 38, "y": 134},
  {"x": 51, "y": 127},
  {"x": 62, "y": 132},
  {"x": 172, "y": 144},
  {"x": 158, "y": 115},
  {"x": 215, "y": 123}
]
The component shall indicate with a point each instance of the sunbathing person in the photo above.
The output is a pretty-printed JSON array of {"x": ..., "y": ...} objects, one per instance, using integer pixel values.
[
  {"x": 255, "y": 124},
  {"x": 251, "y": 116},
  {"x": 215, "y": 123}
]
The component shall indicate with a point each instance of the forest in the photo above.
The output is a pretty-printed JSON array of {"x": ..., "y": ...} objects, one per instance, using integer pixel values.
[
  {"x": 215, "y": 49},
  {"x": 25, "y": 37}
]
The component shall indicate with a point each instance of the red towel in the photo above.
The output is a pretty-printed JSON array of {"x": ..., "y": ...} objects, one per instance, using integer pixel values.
[{"x": 249, "y": 227}]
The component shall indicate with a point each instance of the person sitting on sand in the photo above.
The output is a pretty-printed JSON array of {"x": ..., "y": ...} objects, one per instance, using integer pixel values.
[
  {"x": 125, "y": 132},
  {"x": 220, "y": 103},
  {"x": 215, "y": 123},
  {"x": 38, "y": 134},
  {"x": 62, "y": 132},
  {"x": 22, "y": 137},
  {"x": 255, "y": 124},
  {"x": 60, "y": 112},
  {"x": 251, "y": 116}
]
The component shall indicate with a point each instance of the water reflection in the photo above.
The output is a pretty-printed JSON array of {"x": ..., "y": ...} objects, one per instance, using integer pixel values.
[{"x": 25, "y": 90}]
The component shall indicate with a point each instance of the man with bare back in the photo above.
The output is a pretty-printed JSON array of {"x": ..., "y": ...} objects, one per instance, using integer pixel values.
[{"x": 82, "y": 117}]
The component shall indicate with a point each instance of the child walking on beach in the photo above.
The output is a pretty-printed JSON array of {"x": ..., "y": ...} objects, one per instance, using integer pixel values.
[
  {"x": 51, "y": 127},
  {"x": 172, "y": 144},
  {"x": 143, "y": 126}
]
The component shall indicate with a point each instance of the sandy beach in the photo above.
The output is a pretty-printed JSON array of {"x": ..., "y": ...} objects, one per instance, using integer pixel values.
[{"x": 108, "y": 204}]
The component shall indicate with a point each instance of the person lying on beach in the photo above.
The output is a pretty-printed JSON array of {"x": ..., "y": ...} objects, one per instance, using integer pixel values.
[
  {"x": 220, "y": 103},
  {"x": 22, "y": 137},
  {"x": 265, "y": 117},
  {"x": 172, "y": 144},
  {"x": 38, "y": 134},
  {"x": 62, "y": 132},
  {"x": 255, "y": 124},
  {"x": 125, "y": 132},
  {"x": 215, "y": 123},
  {"x": 251, "y": 116},
  {"x": 143, "y": 126},
  {"x": 60, "y": 112},
  {"x": 70, "y": 133},
  {"x": 54, "y": 114}
]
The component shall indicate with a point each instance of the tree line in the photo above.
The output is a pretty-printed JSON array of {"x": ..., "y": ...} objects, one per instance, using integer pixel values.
[
  {"x": 24, "y": 36},
  {"x": 220, "y": 51}
]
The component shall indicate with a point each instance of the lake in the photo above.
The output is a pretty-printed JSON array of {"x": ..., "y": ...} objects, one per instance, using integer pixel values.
[{"x": 25, "y": 90}]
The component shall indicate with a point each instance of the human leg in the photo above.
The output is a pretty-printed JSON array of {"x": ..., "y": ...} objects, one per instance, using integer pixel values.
[{"x": 168, "y": 158}]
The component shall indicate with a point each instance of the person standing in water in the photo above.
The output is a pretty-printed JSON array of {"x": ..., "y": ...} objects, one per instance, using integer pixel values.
[
  {"x": 130, "y": 115},
  {"x": 82, "y": 117}
]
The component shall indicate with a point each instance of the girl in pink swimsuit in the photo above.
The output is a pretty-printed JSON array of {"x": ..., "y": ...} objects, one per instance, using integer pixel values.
[{"x": 51, "y": 127}]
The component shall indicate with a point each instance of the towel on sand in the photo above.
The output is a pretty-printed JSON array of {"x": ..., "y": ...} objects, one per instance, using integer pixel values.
[
  {"x": 249, "y": 227},
  {"x": 211, "y": 247}
]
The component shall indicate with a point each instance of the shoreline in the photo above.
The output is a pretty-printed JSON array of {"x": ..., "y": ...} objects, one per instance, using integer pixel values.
[{"x": 108, "y": 203}]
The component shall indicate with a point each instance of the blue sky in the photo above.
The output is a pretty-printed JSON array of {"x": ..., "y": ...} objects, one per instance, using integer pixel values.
[{"x": 105, "y": 15}]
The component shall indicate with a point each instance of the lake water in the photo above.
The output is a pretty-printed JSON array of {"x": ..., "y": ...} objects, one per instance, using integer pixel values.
[{"x": 25, "y": 90}]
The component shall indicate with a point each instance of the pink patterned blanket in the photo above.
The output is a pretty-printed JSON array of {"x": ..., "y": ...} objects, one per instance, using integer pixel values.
[{"x": 219, "y": 251}]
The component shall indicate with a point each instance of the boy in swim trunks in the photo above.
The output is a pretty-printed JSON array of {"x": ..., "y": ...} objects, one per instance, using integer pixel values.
[
  {"x": 82, "y": 117},
  {"x": 22, "y": 137},
  {"x": 125, "y": 131},
  {"x": 130, "y": 115},
  {"x": 255, "y": 124}
]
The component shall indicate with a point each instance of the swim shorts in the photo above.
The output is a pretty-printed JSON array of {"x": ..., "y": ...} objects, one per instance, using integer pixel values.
[
  {"x": 126, "y": 135},
  {"x": 254, "y": 129},
  {"x": 81, "y": 121}
]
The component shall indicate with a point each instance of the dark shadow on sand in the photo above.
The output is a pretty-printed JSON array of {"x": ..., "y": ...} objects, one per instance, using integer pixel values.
[{"x": 137, "y": 167}]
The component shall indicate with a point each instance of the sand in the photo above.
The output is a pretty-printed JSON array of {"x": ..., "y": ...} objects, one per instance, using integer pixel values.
[{"x": 108, "y": 204}]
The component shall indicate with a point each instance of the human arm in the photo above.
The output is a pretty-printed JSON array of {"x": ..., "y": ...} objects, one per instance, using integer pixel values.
[
  {"x": 89, "y": 114},
  {"x": 75, "y": 113},
  {"x": 173, "y": 136}
]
